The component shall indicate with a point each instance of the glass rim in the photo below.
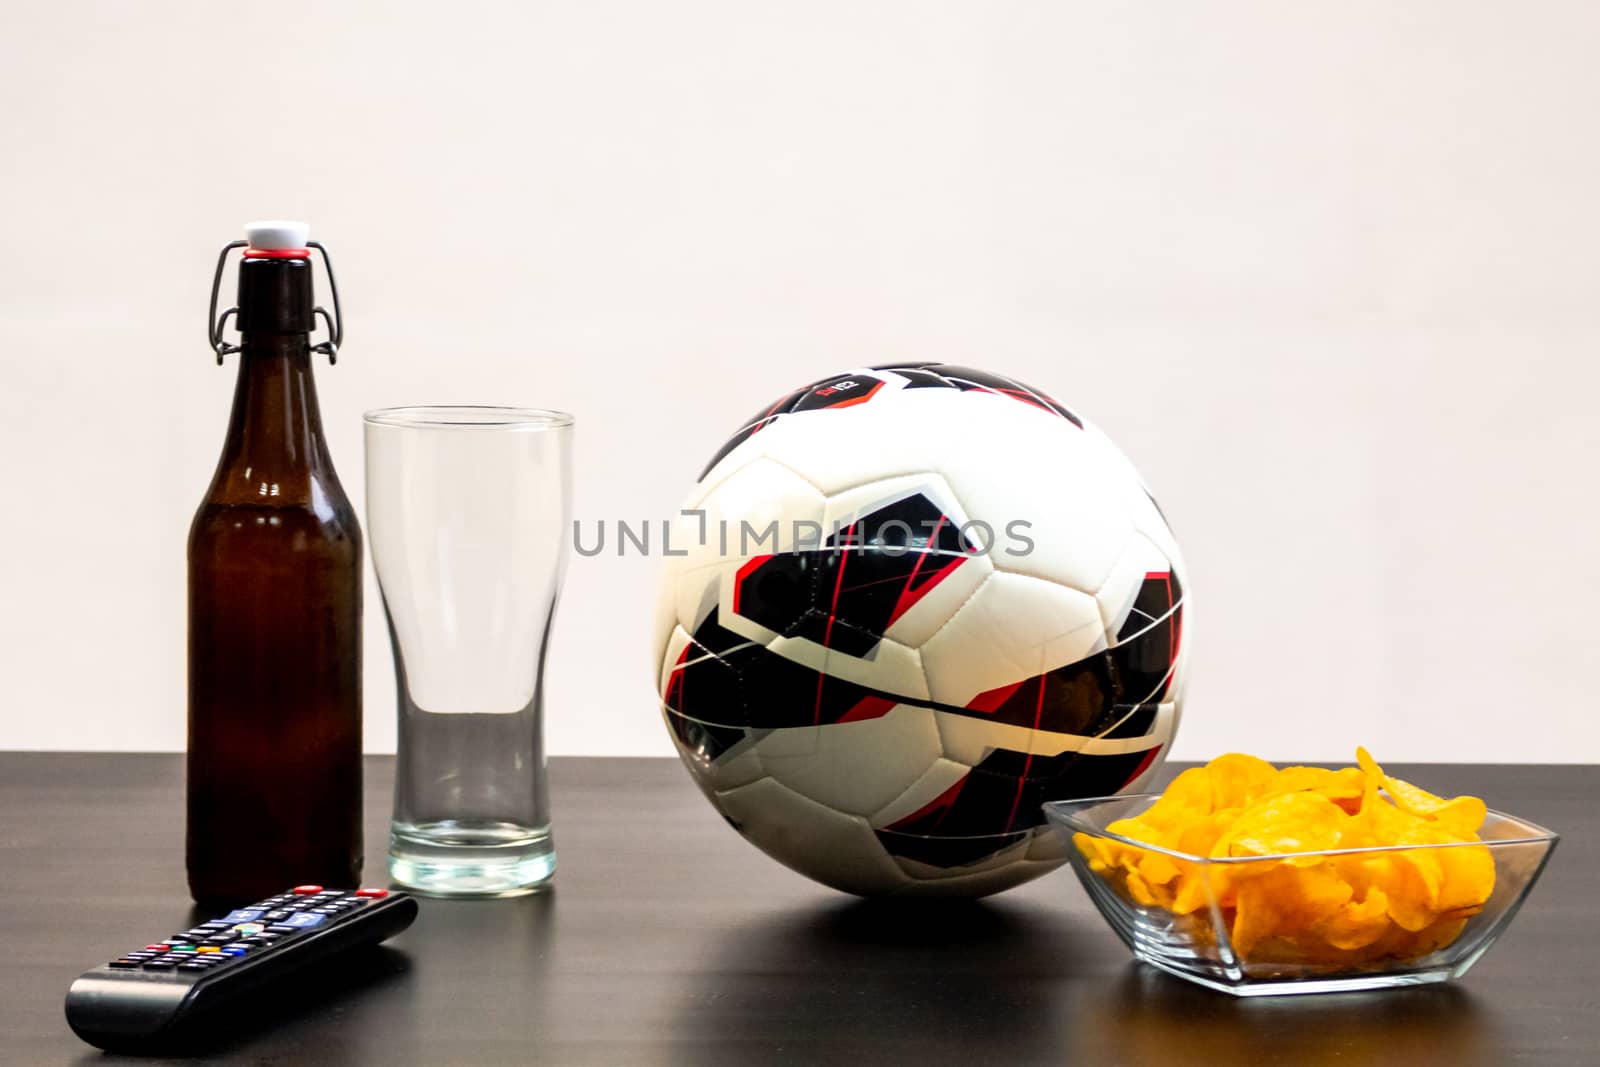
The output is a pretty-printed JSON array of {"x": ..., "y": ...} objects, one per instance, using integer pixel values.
[
  {"x": 468, "y": 417},
  {"x": 1067, "y": 811}
]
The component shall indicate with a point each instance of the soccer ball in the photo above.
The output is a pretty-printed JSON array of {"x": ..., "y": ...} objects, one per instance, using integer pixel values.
[{"x": 902, "y": 608}]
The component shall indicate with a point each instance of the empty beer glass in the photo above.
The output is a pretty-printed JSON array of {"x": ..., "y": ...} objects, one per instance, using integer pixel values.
[{"x": 467, "y": 519}]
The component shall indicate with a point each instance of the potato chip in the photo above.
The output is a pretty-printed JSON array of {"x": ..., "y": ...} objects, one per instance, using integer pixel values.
[
  {"x": 1463, "y": 814},
  {"x": 1343, "y": 786},
  {"x": 1289, "y": 822},
  {"x": 1188, "y": 795},
  {"x": 1409, "y": 894},
  {"x": 1284, "y": 902},
  {"x": 1237, "y": 779},
  {"x": 1157, "y": 868},
  {"x": 1358, "y": 923}
]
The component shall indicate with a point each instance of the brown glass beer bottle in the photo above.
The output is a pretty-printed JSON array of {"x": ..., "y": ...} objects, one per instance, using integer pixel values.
[{"x": 274, "y": 760}]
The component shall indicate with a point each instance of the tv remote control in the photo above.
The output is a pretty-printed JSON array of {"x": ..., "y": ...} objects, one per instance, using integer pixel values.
[{"x": 152, "y": 995}]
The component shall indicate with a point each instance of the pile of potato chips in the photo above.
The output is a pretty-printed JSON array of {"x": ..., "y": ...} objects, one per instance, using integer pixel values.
[{"x": 1351, "y": 909}]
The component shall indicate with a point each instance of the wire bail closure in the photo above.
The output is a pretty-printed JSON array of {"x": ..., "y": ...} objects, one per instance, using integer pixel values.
[{"x": 334, "y": 322}]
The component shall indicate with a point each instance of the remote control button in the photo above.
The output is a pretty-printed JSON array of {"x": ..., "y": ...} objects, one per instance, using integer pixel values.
[
  {"x": 243, "y": 915},
  {"x": 304, "y": 920},
  {"x": 208, "y": 949},
  {"x": 375, "y": 894},
  {"x": 193, "y": 965},
  {"x": 306, "y": 890},
  {"x": 235, "y": 950},
  {"x": 282, "y": 928},
  {"x": 214, "y": 924},
  {"x": 277, "y": 916},
  {"x": 220, "y": 939},
  {"x": 266, "y": 937},
  {"x": 160, "y": 965},
  {"x": 246, "y": 929},
  {"x": 123, "y": 964},
  {"x": 157, "y": 948}
]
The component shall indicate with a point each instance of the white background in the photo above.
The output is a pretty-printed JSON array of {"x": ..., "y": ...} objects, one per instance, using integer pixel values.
[{"x": 1327, "y": 272}]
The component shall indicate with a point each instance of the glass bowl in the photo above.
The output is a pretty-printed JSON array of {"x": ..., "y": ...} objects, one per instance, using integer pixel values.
[{"x": 1200, "y": 945}]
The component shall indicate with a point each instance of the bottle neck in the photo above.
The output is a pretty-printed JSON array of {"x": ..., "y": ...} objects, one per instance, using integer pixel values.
[{"x": 275, "y": 446}]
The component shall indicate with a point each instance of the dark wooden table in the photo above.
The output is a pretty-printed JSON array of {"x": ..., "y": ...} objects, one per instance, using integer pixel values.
[{"x": 669, "y": 940}]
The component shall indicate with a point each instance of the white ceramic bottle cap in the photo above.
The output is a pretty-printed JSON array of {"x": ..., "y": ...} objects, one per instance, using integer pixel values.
[{"x": 277, "y": 235}]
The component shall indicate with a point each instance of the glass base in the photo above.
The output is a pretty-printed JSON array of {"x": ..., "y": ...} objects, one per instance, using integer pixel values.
[
  {"x": 460, "y": 859},
  {"x": 1290, "y": 987}
]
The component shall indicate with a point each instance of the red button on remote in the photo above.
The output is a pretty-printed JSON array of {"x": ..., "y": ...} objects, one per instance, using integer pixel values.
[
  {"x": 306, "y": 890},
  {"x": 375, "y": 893}
]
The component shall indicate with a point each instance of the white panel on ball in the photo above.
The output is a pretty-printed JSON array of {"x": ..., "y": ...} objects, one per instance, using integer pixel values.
[
  {"x": 1012, "y": 628},
  {"x": 834, "y": 848},
  {"x": 892, "y": 667},
  {"x": 900, "y": 433},
  {"x": 761, "y": 494},
  {"x": 854, "y": 767},
  {"x": 1122, "y": 584},
  {"x": 934, "y": 782}
]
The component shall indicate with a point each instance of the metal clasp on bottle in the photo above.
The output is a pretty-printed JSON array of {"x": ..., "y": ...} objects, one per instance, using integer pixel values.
[{"x": 334, "y": 322}]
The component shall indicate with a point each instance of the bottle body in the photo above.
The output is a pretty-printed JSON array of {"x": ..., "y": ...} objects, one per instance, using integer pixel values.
[{"x": 274, "y": 562}]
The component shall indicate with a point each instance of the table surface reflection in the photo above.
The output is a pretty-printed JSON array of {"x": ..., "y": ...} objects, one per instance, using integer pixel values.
[{"x": 668, "y": 940}]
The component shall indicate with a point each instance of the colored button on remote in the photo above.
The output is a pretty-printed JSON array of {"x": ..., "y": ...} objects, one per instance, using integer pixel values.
[
  {"x": 306, "y": 890},
  {"x": 375, "y": 894},
  {"x": 244, "y": 915}
]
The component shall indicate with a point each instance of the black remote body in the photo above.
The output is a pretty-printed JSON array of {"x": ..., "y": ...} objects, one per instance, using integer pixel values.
[{"x": 151, "y": 996}]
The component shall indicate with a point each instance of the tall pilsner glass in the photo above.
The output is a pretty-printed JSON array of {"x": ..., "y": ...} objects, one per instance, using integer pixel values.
[{"x": 467, "y": 517}]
